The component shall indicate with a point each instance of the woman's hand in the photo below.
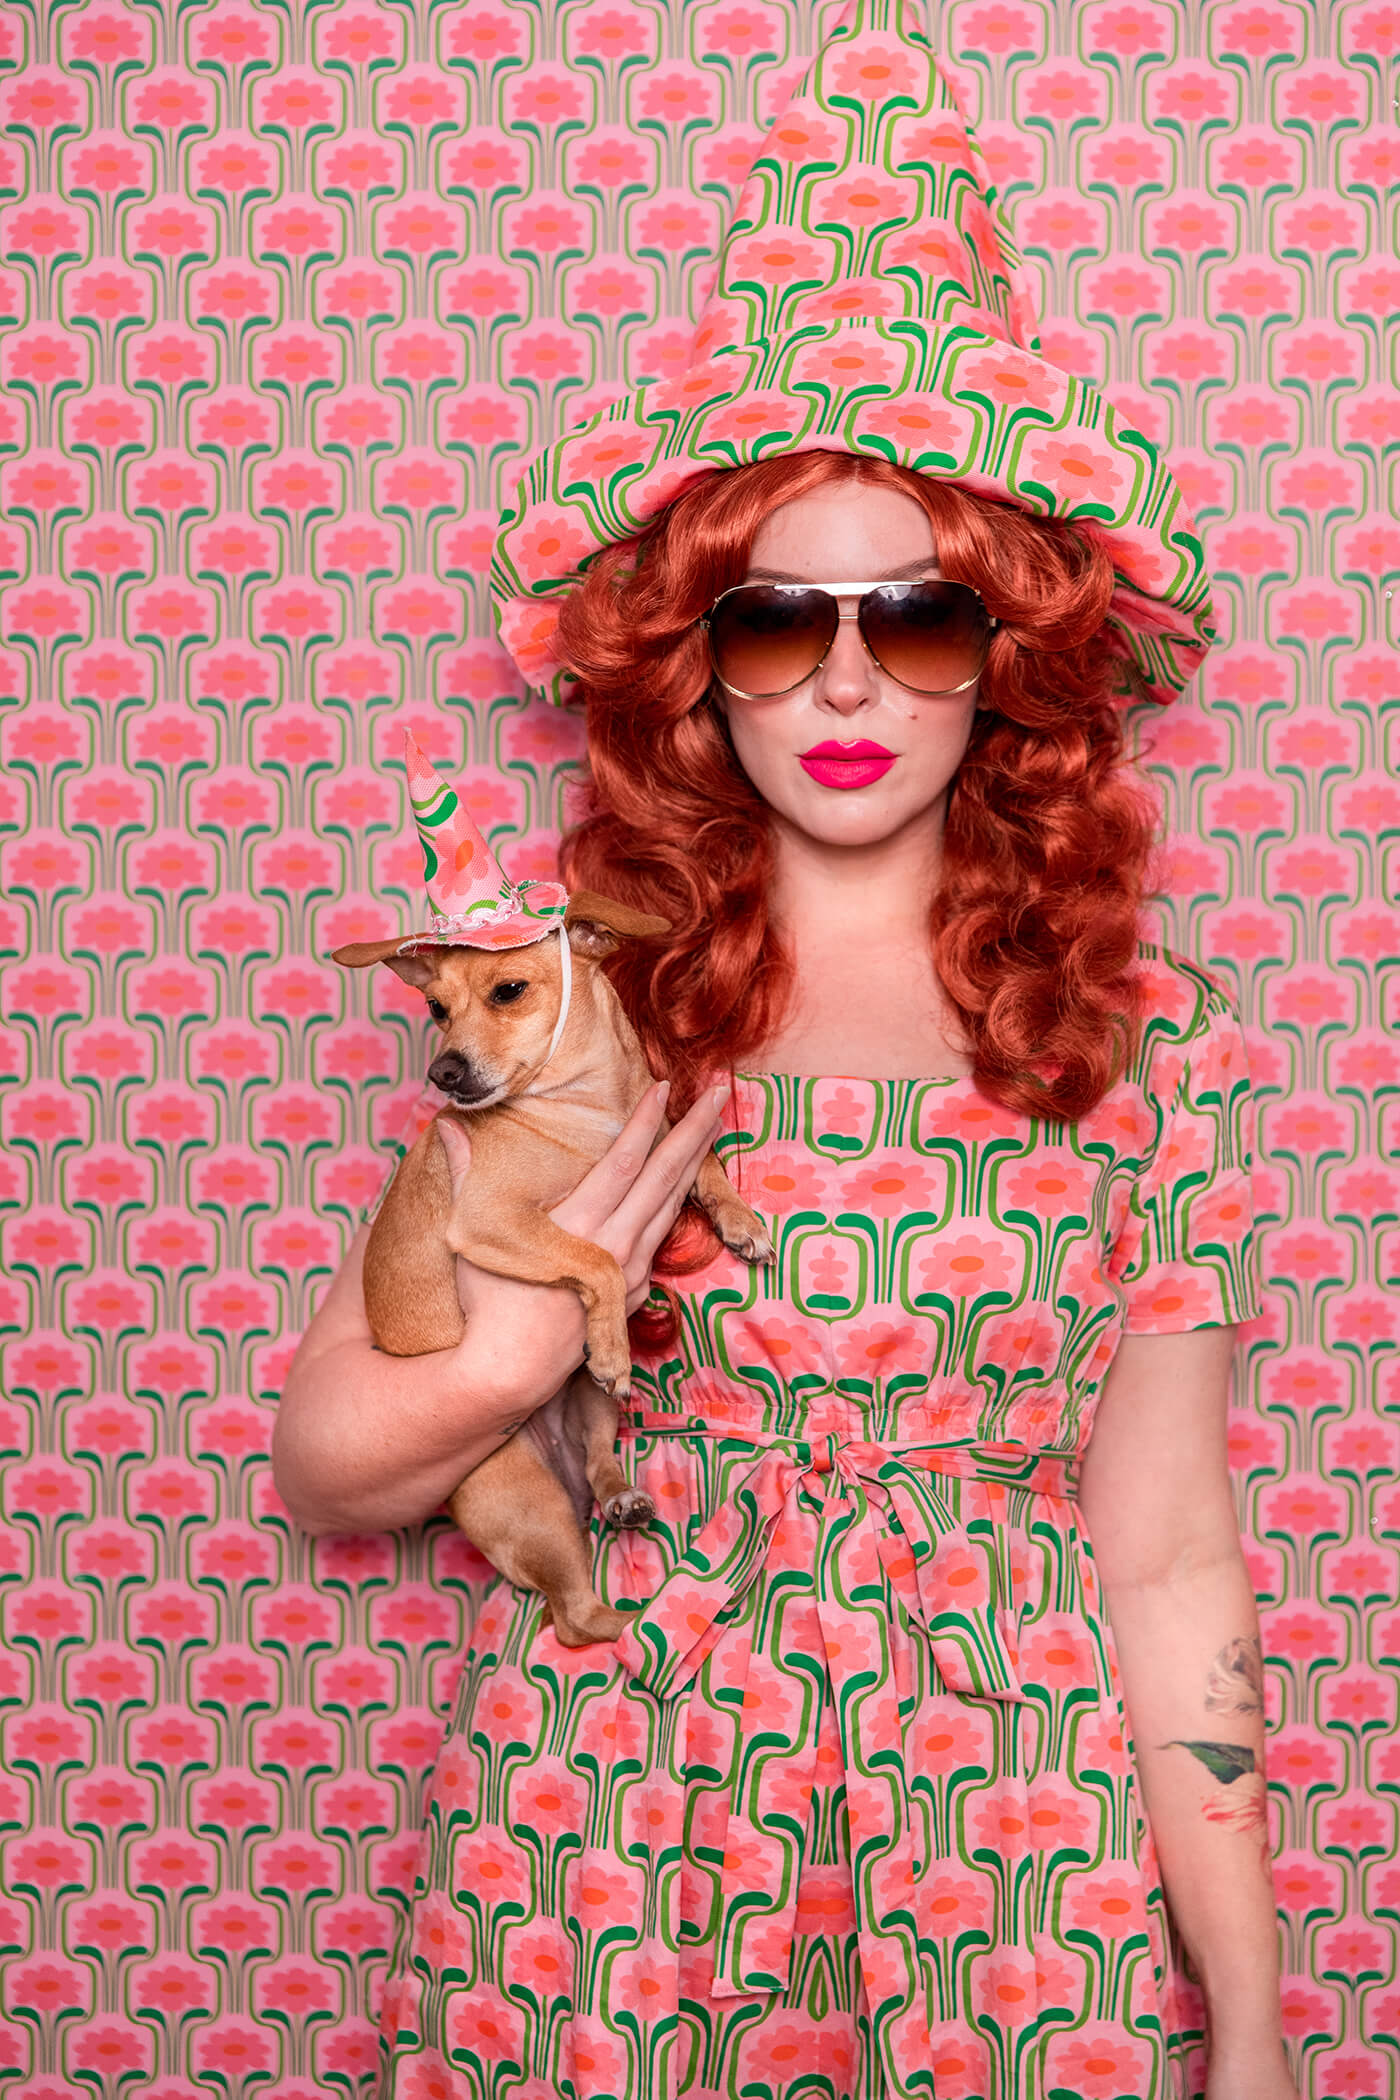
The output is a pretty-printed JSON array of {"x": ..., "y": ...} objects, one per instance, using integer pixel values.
[{"x": 524, "y": 1339}]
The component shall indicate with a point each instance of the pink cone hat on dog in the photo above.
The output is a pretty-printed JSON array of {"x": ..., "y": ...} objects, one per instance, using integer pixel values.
[{"x": 476, "y": 905}]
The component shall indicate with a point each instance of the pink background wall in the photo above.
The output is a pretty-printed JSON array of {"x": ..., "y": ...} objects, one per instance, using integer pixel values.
[{"x": 286, "y": 290}]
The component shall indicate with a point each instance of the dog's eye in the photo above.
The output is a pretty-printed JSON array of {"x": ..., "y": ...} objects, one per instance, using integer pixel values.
[
  {"x": 507, "y": 994},
  {"x": 437, "y": 1009}
]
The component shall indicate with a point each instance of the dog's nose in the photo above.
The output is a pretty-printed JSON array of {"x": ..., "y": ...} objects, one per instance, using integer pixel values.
[{"x": 457, "y": 1076}]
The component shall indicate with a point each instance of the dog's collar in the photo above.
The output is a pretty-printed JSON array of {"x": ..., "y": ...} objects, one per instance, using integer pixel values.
[{"x": 566, "y": 986}]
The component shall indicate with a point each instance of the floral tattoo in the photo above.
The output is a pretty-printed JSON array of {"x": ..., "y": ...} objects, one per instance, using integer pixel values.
[
  {"x": 1235, "y": 1682},
  {"x": 1234, "y": 1685}
]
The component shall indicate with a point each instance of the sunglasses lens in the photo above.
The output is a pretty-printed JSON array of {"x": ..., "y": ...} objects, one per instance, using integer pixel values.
[
  {"x": 765, "y": 639},
  {"x": 932, "y": 637}
]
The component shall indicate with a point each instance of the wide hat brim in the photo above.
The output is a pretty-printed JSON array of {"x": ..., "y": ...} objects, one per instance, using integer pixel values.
[{"x": 948, "y": 400}]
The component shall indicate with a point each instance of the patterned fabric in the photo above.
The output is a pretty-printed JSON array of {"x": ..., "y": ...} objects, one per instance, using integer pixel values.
[
  {"x": 852, "y": 1799},
  {"x": 477, "y": 904},
  {"x": 870, "y": 300}
]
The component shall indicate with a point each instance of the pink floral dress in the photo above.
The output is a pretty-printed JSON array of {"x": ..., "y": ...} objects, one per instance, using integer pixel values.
[{"x": 849, "y": 1809}]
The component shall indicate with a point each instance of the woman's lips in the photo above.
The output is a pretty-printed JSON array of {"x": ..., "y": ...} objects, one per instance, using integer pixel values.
[{"x": 847, "y": 765}]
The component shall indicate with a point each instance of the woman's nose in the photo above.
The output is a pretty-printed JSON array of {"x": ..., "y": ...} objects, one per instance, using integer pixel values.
[{"x": 846, "y": 680}]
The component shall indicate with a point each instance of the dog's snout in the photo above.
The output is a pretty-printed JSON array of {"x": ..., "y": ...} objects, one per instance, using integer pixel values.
[{"x": 457, "y": 1076}]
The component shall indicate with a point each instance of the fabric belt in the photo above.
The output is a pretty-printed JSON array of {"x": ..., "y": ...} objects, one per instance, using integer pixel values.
[{"x": 885, "y": 1533}]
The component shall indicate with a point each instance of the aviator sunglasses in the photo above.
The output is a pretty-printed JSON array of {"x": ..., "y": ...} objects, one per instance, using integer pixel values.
[{"x": 767, "y": 638}]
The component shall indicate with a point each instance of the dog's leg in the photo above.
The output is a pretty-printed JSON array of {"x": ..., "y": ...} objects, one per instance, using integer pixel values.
[
  {"x": 593, "y": 1416},
  {"x": 740, "y": 1229},
  {"x": 410, "y": 1276},
  {"x": 520, "y": 1515},
  {"x": 525, "y": 1244}
]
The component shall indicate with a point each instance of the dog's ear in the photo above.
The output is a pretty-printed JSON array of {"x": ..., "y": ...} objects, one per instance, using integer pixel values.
[
  {"x": 361, "y": 955},
  {"x": 596, "y": 924}
]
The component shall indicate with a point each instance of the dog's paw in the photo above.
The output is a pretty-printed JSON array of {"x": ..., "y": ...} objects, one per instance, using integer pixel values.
[
  {"x": 749, "y": 1241},
  {"x": 583, "y": 1629},
  {"x": 611, "y": 1369},
  {"x": 629, "y": 1509}
]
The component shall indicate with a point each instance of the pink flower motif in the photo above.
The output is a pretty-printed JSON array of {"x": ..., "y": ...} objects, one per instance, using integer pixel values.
[
  {"x": 1109, "y": 1906},
  {"x": 1058, "y": 1652},
  {"x": 482, "y": 2024},
  {"x": 872, "y": 72},
  {"x": 296, "y": 230},
  {"x": 1102, "y": 2065},
  {"x": 742, "y": 32},
  {"x": 551, "y": 547},
  {"x": 848, "y": 361},
  {"x": 751, "y": 418},
  {"x": 596, "y": 458},
  {"x": 1051, "y": 1186},
  {"x": 968, "y": 1266},
  {"x": 1013, "y": 379},
  {"x": 1061, "y": 93},
  {"x": 1080, "y": 470},
  {"x": 888, "y": 1188},
  {"x": 958, "y": 1903},
  {"x": 294, "y": 103},
  {"x": 358, "y": 39},
  {"x": 675, "y": 95},
  {"x": 545, "y": 96},
  {"x": 788, "y": 1346},
  {"x": 1058, "y": 1816},
  {"x": 864, "y": 198},
  {"x": 600, "y": 1895},
  {"x": 882, "y": 1349},
  {"x": 917, "y": 423},
  {"x": 231, "y": 167},
  {"x": 781, "y": 1182}
]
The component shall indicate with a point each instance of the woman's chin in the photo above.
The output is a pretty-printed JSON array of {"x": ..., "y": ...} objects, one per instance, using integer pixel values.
[{"x": 857, "y": 817}]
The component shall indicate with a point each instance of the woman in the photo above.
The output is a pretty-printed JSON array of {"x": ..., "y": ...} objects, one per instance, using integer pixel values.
[{"x": 852, "y": 1807}]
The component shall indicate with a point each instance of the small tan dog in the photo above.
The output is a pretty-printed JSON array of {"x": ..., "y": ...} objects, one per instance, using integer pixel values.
[{"x": 539, "y": 1115}]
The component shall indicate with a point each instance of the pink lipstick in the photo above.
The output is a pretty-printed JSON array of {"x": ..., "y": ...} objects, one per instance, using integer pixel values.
[{"x": 854, "y": 765}]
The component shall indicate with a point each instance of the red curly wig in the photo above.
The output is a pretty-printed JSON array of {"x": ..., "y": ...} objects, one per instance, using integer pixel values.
[{"x": 1049, "y": 833}]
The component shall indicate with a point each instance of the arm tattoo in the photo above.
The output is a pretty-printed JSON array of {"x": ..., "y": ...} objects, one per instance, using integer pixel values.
[
  {"x": 1235, "y": 1680},
  {"x": 1238, "y": 1801},
  {"x": 1226, "y": 1762}
]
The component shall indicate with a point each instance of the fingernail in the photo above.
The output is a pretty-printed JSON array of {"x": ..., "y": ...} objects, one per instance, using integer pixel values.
[
  {"x": 719, "y": 1096},
  {"x": 663, "y": 1093}
]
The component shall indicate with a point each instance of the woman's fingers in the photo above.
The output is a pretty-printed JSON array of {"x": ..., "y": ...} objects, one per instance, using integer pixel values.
[
  {"x": 652, "y": 1203},
  {"x": 606, "y": 1183}
]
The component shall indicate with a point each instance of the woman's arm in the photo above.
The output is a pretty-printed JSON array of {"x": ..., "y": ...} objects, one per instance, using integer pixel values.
[
  {"x": 369, "y": 1442},
  {"x": 1155, "y": 1495}
]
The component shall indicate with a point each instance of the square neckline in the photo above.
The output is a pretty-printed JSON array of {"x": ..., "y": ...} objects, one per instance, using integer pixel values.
[{"x": 853, "y": 1079}]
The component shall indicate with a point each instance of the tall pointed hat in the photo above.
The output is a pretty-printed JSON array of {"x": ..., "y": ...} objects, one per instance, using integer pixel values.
[
  {"x": 475, "y": 904},
  {"x": 869, "y": 300}
]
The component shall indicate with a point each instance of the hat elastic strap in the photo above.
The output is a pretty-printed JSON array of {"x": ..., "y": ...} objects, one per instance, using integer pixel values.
[{"x": 566, "y": 986}]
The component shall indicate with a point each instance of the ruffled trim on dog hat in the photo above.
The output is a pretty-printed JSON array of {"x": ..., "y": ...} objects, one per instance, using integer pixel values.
[{"x": 869, "y": 300}]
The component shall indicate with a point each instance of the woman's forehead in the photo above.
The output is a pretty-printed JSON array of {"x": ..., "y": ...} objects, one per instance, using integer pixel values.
[{"x": 866, "y": 532}]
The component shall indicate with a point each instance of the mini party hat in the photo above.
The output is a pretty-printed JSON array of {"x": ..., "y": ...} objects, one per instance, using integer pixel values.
[{"x": 475, "y": 904}]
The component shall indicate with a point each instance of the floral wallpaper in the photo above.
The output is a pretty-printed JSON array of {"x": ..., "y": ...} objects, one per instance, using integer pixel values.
[{"x": 287, "y": 293}]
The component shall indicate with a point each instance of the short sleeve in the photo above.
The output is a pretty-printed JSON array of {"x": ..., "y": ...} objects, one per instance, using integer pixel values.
[{"x": 1185, "y": 1255}]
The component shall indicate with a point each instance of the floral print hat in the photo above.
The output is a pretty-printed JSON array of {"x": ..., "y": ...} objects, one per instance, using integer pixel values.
[{"x": 870, "y": 300}]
